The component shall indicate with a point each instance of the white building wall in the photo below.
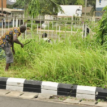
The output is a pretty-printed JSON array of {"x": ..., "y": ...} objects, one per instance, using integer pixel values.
[
  {"x": 101, "y": 3},
  {"x": 71, "y": 10}
]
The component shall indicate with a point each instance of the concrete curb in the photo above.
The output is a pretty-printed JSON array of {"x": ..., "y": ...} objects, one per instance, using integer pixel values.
[{"x": 53, "y": 88}]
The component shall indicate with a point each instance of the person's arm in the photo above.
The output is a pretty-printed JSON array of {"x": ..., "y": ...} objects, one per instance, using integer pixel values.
[
  {"x": 18, "y": 42},
  {"x": 15, "y": 40}
]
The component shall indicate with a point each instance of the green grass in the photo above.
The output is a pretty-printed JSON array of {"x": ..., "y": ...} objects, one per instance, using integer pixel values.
[
  {"x": 73, "y": 60},
  {"x": 63, "y": 28}
]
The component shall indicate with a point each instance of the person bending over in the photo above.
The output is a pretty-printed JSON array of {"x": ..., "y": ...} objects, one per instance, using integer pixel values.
[{"x": 7, "y": 41}]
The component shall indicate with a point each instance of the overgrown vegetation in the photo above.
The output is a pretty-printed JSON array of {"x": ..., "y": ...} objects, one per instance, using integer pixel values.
[
  {"x": 102, "y": 33},
  {"x": 72, "y": 60}
]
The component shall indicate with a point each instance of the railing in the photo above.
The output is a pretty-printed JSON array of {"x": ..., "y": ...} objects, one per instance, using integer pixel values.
[{"x": 55, "y": 27}]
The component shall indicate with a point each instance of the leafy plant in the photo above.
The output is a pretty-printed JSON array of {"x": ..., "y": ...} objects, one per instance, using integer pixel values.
[{"x": 102, "y": 33}]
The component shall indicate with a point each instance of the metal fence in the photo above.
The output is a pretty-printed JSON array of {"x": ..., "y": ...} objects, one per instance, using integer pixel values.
[{"x": 56, "y": 28}]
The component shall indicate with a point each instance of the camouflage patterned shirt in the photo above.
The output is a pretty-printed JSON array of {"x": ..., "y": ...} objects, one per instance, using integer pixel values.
[{"x": 9, "y": 35}]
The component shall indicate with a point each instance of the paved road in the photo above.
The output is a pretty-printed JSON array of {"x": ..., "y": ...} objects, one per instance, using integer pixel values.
[{"x": 15, "y": 102}]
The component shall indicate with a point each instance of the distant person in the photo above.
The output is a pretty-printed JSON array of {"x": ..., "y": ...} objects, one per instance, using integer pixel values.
[
  {"x": 45, "y": 38},
  {"x": 7, "y": 41},
  {"x": 87, "y": 30}
]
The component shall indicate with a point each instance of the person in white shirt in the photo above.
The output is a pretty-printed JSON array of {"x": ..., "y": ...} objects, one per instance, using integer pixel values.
[{"x": 45, "y": 38}]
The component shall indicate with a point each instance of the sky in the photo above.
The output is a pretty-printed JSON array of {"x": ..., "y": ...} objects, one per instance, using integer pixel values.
[{"x": 11, "y": 1}]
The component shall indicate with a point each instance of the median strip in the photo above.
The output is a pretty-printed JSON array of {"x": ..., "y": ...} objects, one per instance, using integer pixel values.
[{"x": 52, "y": 88}]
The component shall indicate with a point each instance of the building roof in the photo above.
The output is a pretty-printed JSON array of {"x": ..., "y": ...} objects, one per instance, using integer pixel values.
[
  {"x": 88, "y": 9},
  {"x": 8, "y": 10}
]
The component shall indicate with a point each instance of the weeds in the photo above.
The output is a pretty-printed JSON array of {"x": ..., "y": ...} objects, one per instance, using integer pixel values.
[{"x": 72, "y": 60}]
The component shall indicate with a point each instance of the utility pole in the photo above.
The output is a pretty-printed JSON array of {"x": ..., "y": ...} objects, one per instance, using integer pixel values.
[
  {"x": 2, "y": 6},
  {"x": 85, "y": 7},
  {"x": 85, "y": 26}
]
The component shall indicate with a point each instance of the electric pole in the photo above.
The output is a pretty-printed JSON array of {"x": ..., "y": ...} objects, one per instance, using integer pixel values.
[
  {"x": 85, "y": 26},
  {"x": 85, "y": 7},
  {"x": 2, "y": 7}
]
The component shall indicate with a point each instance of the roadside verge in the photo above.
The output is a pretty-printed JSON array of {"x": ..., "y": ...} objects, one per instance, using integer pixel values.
[{"x": 53, "y": 88}]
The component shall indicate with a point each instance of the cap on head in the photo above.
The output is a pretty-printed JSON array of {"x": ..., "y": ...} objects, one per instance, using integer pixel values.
[{"x": 22, "y": 28}]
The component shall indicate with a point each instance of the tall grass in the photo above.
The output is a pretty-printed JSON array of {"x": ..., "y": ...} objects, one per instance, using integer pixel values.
[{"x": 73, "y": 60}]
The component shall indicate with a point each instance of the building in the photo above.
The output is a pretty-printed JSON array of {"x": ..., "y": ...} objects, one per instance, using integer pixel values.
[
  {"x": 4, "y": 3},
  {"x": 70, "y": 11},
  {"x": 7, "y": 11},
  {"x": 11, "y": 17},
  {"x": 100, "y": 4}
]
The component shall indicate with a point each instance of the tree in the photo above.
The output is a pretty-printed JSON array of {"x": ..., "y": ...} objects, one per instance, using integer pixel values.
[
  {"x": 102, "y": 33},
  {"x": 92, "y": 3},
  {"x": 35, "y": 7},
  {"x": 80, "y": 2}
]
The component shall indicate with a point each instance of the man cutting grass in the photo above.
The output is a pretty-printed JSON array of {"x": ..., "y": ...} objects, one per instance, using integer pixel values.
[{"x": 7, "y": 41}]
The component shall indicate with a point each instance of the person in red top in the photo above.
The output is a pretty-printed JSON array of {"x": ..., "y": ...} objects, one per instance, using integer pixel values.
[{"x": 7, "y": 41}]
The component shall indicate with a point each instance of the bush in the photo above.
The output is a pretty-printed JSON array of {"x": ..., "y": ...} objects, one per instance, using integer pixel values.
[{"x": 102, "y": 33}]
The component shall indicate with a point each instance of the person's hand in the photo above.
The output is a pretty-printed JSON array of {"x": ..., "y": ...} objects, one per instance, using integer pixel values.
[
  {"x": 13, "y": 51},
  {"x": 22, "y": 45}
]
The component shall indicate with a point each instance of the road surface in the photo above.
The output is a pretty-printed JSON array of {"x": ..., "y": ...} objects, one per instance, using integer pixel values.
[{"x": 16, "y": 102}]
